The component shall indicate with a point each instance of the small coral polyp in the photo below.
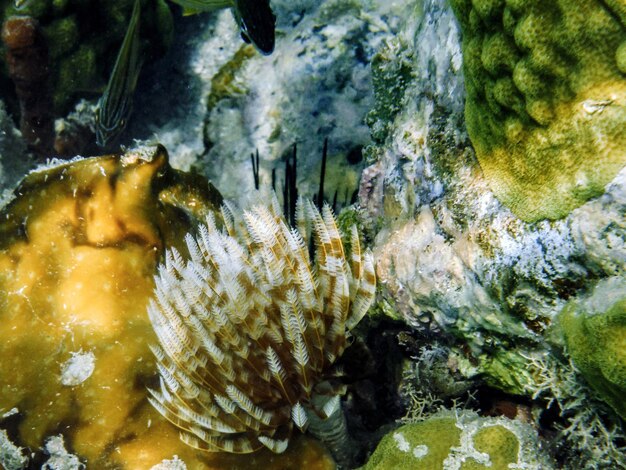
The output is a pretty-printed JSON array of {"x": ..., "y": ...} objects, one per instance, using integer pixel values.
[
  {"x": 249, "y": 326},
  {"x": 546, "y": 99}
]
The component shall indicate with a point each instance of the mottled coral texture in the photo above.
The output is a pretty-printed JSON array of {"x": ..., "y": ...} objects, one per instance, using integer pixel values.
[
  {"x": 79, "y": 246},
  {"x": 546, "y": 99},
  {"x": 460, "y": 440}
]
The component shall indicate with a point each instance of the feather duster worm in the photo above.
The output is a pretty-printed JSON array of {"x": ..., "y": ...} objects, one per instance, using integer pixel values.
[{"x": 250, "y": 325}]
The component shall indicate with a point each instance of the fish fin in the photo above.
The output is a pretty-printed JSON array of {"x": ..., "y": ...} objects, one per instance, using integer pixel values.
[
  {"x": 219, "y": 3},
  {"x": 115, "y": 104},
  {"x": 192, "y": 7}
]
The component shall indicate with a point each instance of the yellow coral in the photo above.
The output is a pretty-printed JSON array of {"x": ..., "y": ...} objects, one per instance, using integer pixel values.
[
  {"x": 546, "y": 99},
  {"x": 79, "y": 247}
]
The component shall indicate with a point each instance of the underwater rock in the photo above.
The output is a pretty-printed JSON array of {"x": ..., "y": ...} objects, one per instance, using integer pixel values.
[
  {"x": 450, "y": 257},
  {"x": 457, "y": 265},
  {"x": 316, "y": 84},
  {"x": 74, "y": 133},
  {"x": 11, "y": 456},
  {"x": 14, "y": 160},
  {"x": 461, "y": 440},
  {"x": 79, "y": 246},
  {"x": 593, "y": 328},
  {"x": 60, "y": 458},
  {"x": 546, "y": 99}
]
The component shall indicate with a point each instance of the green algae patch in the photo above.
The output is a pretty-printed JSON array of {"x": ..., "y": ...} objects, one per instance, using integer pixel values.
[
  {"x": 594, "y": 330},
  {"x": 499, "y": 443},
  {"x": 392, "y": 73},
  {"x": 546, "y": 99},
  {"x": 420, "y": 445},
  {"x": 507, "y": 370},
  {"x": 224, "y": 82},
  {"x": 460, "y": 440}
]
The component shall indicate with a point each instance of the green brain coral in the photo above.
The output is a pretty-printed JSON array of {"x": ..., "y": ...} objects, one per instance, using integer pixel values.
[
  {"x": 594, "y": 330},
  {"x": 460, "y": 440},
  {"x": 546, "y": 98}
]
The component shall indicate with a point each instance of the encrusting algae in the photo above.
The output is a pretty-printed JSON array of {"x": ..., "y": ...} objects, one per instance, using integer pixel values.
[{"x": 79, "y": 248}]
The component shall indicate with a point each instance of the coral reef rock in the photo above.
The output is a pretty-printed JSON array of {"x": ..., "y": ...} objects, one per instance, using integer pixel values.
[
  {"x": 13, "y": 154},
  {"x": 316, "y": 84},
  {"x": 449, "y": 255},
  {"x": 546, "y": 99}
]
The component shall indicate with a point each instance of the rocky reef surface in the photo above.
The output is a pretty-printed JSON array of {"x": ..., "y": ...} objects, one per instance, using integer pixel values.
[
  {"x": 316, "y": 85},
  {"x": 454, "y": 261},
  {"x": 13, "y": 155},
  {"x": 483, "y": 303}
]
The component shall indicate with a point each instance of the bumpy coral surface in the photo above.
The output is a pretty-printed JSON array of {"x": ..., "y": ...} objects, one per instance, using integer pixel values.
[
  {"x": 594, "y": 329},
  {"x": 463, "y": 442},
  {"x": 79, "y": 246},
  {"x": 546, "y": 99}
]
